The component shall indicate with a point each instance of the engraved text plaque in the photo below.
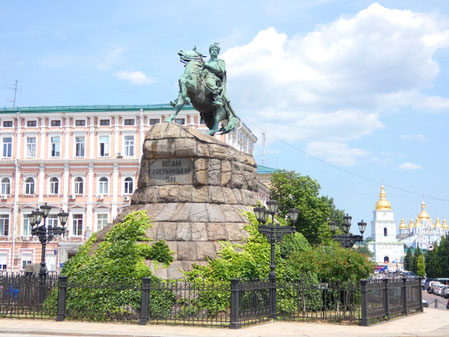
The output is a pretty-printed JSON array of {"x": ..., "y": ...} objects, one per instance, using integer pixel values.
[{"x": 177, "y": 171}]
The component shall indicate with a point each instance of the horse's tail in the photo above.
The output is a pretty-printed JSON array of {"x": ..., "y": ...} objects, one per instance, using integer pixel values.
[{"x": 233, "y": 120}]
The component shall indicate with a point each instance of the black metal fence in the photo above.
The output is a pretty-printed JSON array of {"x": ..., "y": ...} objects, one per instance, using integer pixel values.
[
  {"x": 387, "y": 298},
  {"x": 223, "y": 304}
]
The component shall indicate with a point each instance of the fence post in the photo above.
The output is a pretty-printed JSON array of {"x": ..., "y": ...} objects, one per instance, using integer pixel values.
[
  {"x": 145, "y": 301},
  {"x": 404, "y": 291},
  {"x": 62, "y": 298},
  {"x": 364, "y": 293},
  {"x": 235, "y": 310},
  {"x": 386, "y": 299},
  {"x": 421, "y": 308}
]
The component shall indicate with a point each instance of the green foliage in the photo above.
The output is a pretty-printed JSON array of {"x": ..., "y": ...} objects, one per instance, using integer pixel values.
[
  {"x": 416, "y": 255},
  {"x": 363, "y": 249},
  {"x": 105, "y": 276},
  {"x": 408, "y": 259},
  {"x": 293, "y": 190},
  {"x": 421, "y": 266},
  {"x": 437, "y": 261}
]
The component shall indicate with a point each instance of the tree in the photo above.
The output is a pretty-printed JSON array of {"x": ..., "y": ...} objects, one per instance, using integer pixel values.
[
  {"x": 292, "y": 190},
  {"x": 421, "y": 266},
  {"x": 363, "y": 249},
  {"x": 408, "y": 259}
]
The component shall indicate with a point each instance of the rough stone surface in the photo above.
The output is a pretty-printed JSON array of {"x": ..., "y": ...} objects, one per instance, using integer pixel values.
[{"x": 194, "y": 218}]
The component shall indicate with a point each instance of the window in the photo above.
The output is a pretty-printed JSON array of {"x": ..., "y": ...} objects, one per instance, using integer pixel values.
[
  {"x": 3, "y": 261},
  {"x": 129, "y": 146},
  {"x": 80, "y": 122},
  {"x": 79, "y": 146},
  {"x": 180, "y": 121},
  {"x": 56, "y": 122},
  {"x": 102, "y": 221},
  {"x": 6, "y": 186},
  {"x": 54, "y": 185},
  {"x": 7, "y": 124},
  {"x": 29, "y": 186},
  {"x": 105, "y": 122},
  {"x": 154, "y": 121},
  {"x": 129, "y": 121},
  {"x": 26, "y": 230},
  {"x": 52, "y": 220},
  {"x": 103, "y": 187},
  {"x": 32, "y": 123},
  {"x": 79, "y": 185},
  {"x": 385, "y": 231},
  {"x": 4, "y": 224},
  {"x": 7, "y": 147},
  {"x": 129, "y": 188},
  {"x": 26, "y": 259},
  {"x": 77, "y": 224},
  {"x": 104, "y": 146},
  {"x": 31, "y": 147},
  {"x": 55, "y": 143}
]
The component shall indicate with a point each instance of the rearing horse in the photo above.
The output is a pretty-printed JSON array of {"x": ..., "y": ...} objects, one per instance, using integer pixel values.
[{"x": 192, "y": 90}]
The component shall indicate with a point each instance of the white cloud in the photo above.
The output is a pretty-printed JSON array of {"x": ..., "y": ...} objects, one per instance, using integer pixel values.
[
  {"x": 409, "y": 166},
  {"x": 135, "y": 77},
  {"x": 335, "y": 82},
  {"x": 418, "y": 137},
  {"x": 111, "y": 58},
  {"x": 336, "y": 153}
]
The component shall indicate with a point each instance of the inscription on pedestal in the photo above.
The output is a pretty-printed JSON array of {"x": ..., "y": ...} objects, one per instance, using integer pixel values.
[{"x": 171, "y": 171}]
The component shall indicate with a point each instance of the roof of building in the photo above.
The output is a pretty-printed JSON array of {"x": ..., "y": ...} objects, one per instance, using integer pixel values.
[
  {"x": 265, "y": 169},
  {"x": 89, "y": 108},
  {"x": 383, "y": 203}
]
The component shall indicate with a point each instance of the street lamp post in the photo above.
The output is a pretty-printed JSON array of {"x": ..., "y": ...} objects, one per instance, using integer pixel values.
[
  {"x": 274, "y": 233},
  {"x": 45, "y": 234},
  {"x": 347, "y": 240}
]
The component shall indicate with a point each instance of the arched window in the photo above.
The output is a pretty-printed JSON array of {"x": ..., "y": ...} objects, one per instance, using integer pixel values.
[
  {"x": 385, "y": 231},
  {"x": 54, "y": 185},
  {"x": 103, "y": 187},
  {"x": 79, "y": 185},
  {"x": 6, "y": 186},
  {"x": 29, "y": 186},
  {"x": 386, "y": 259},
  {"x": 129, "y": 185}
]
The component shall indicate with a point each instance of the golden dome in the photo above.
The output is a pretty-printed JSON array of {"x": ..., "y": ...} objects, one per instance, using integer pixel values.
[
  {"x": 411, "y": 224},
  {"x": 418, "y": 223},
  {"x": 423, "y": 215},
  {"x": 445, "y": 226},
  {"x": 383, "y": 204},
  {"x": 402, "y": 225},
  {"x": 437, "y": 223}
]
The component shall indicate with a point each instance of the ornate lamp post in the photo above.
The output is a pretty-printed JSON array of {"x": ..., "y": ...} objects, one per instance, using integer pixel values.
[
  {"x": 347, "y": 240},
  {"x": 46, "y": 233},
  {"x": 274, "y": 233}
]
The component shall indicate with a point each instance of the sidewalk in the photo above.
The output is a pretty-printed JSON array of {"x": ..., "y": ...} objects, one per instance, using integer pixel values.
[{"x": 430, "y": 323}]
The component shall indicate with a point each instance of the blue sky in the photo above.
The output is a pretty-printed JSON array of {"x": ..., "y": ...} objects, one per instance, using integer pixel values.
[{"x": 352, "y": 93}]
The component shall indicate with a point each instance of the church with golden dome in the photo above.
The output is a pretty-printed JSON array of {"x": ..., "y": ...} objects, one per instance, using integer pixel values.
[
  {"x": 385, "y": 245},
  {"x": 422, "y": 232}
]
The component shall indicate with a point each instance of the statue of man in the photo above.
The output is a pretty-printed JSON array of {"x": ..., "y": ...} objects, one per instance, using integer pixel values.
[{"x": 215, "y": 76}]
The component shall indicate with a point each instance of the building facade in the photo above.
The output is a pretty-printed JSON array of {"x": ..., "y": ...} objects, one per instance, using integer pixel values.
[
  {"x": 82, "y": 159},
  {"x": 385, "y": 247}
]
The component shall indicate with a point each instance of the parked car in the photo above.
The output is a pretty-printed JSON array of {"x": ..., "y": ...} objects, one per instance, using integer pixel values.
[
  {"x": 425, "y": 303},
  {"x": 446, "y": 292},
  {"x": 409, "y": 274}
]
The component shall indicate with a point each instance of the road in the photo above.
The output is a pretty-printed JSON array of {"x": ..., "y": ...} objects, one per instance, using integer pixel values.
[{"x": 432, "y": 298}]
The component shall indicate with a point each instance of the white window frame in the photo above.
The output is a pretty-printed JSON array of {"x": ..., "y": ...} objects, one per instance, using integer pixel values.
[
  {"x": 2, "y": 231},
  {"x": 50, "y": 145},
  {"x": 11, "y": 145},
  {"x": 4, "y": 255},
  {"x": 1, "y": 186},
  {"x": 149, "y": 121},
  {"x": 74, "y": 145},
  {"x": 25, "y": 185},
  {"x": 50, "y": 190},
  {"x": 124, "y": 152},
  {"x": 55, "y": 119},
  {"x": 50, "y": 219},
  {"x": 7, "y": 120},
  {"x": 109, "y": 145},
  {"x": 26, "y": 254},
  {"x": 125, "y": 183},
  {"x": 123, "y": 121},
  {"x": 27, "y": 153},
  {"x": 80, "y": 119},
  {"x": 99, "y": 183},
  {"x": 25, "y": 218},
  {"x": 31, "y": 120},
  {"x": 97, "y": 222},
  {"x": 72, "y": 227},
  {"x": 74, "y": 178},
  {"x": 103, "y": 119}
]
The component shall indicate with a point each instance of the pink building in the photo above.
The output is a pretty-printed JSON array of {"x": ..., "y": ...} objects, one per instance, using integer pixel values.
[{"x": 83, "y": 159}]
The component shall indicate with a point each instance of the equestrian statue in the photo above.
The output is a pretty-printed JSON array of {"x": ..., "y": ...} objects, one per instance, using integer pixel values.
[{"x": 203, "y": 84}]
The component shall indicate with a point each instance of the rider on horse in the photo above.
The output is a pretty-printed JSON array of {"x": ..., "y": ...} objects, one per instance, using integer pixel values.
[{"x": 215, "y": 75}]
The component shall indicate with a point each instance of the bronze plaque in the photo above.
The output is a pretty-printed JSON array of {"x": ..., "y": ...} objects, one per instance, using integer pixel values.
[{"x": 177, "y": 171}]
